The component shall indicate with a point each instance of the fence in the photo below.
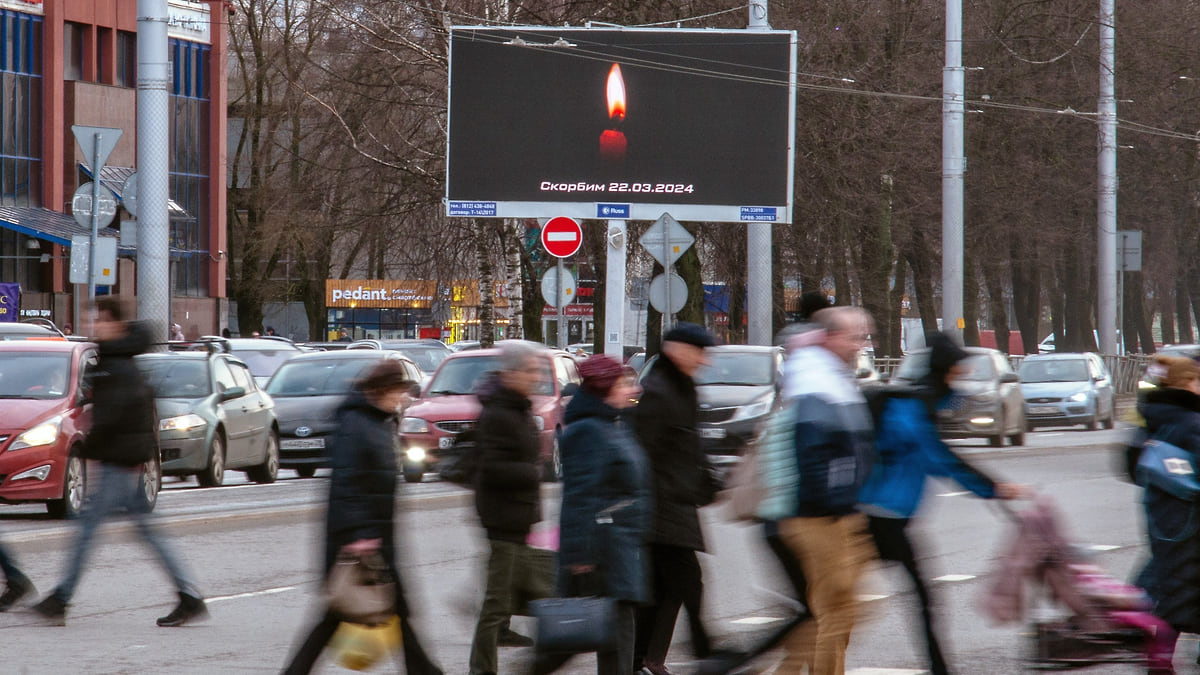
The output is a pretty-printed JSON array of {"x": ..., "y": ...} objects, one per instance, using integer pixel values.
[{"x": 1126, "y": 370}]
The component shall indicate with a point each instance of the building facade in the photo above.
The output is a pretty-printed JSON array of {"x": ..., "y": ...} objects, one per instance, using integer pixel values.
[{"x": 74, "y": 62}]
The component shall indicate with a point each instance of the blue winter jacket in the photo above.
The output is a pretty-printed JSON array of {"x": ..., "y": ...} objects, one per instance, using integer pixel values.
[{"x": 910, "y": 450}]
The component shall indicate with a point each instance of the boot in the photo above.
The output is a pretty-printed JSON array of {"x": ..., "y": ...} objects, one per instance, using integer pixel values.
[
  {"x": 18, "y": 587},
  {"x": 53, "y": 610},
  {"x": 190, "y": 608}
]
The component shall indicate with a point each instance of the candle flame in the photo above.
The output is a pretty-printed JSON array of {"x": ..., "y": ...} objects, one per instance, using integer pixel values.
[{"x": 616, "y": 94}]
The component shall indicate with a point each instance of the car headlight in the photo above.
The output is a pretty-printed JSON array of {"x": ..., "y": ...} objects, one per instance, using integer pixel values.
[
  {"x": 539, "y": 422},
  {"x": 414, "y": 425},
  {"x": 415, "y": 454},
  {"x": 182, "y": 423},
  {"x": 1081, "y": 397},
  {"x": 42, "y": 434},
  {"x": 755, "y": 409}
]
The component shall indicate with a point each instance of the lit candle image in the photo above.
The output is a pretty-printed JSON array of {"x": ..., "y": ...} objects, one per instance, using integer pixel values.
[{"x": 612, "y": 141}]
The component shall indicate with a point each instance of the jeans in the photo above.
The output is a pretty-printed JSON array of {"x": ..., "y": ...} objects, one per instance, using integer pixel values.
[
  {"x": 118, "y": 488},
  {"x": 8, "y": 565},
  {"x": 893, "y": 544},
  {"x": 616, "y": 662},
  {"x": 516, "y": 574}
]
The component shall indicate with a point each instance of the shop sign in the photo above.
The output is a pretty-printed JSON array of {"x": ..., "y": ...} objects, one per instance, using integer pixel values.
[
  {"x": 30, "y": 6},
  {"x": 572, "y": 310},
  {"x": 379, "y": 293},
  {"x": 188, "y": 20}
]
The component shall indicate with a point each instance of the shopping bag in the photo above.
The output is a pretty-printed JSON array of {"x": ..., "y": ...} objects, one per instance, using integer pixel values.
[
  {"x": 575, "y": 625},
  {"x": 359, "y": 647},
  {"x": 361, "y": 589}
]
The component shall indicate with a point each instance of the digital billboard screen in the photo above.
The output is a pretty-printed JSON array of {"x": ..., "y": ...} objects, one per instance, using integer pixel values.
[{"x": 622, "y": 124}]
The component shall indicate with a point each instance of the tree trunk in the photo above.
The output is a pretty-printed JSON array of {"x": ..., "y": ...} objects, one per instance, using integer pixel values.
[
  {"x": 923, "y": 284},
  {"x": 997, "y": 307},
  {"x": 1168, "y": 321},
  {"x": 970, "y": 303},
  {"x": 874, "y": 256},
  {"x": 688, "y": 267},
  {"x": 595, "y": 237},
  {"x": 510, "y": 230},
  {"x": 1183, "y": 311},
  {"x": 892, "y": 346},
  {"x": 487, "y": 296},
  {"x": 653, "y": 321},
  {"x": 1027, "y": 293}
]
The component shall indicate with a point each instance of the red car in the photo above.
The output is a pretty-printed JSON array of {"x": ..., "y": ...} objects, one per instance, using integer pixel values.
[
  {"x": 43, "y": 419},
  {"x": 448, "y": 406}
]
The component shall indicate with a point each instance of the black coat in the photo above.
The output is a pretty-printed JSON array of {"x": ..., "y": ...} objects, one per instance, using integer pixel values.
[
  {"x": 507, "y": 484},
  {"x": 606, "y": 500},
  {"x": 123, "y": 416},
  {"x": 1172, "y": 576},
  {"x": 665, "y": 423}
]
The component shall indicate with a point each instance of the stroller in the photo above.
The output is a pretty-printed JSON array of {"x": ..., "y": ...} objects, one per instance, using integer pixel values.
[{"x": 1107, "y": 621}]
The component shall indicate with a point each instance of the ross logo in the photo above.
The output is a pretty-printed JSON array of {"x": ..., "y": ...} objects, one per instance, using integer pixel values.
[{"x": 303, "y": 431}]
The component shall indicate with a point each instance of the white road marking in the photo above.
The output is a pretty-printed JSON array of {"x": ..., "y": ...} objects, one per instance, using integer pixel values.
[
  {"x": 1048, "y": 434},
  {"x": 955, "y": 494},
  {"x": 870, "y": 598},
  {"x": 252, "y": 594},
  {"x": 955, "y": 577},
  {"x": 1102, "y": 547},
  {"x": 885, "y": 671},
  {"x": 757, "y": 620}
]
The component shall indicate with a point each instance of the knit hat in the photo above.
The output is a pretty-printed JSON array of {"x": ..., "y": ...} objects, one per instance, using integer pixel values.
[
  {"x": 689, "y": 333},
  {"x": 944, "y": 353},
  {"x": 600, "y": 372}
]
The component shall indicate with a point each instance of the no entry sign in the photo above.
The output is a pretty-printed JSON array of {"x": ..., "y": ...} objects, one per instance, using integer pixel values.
[{"x": 562, "y": 237}]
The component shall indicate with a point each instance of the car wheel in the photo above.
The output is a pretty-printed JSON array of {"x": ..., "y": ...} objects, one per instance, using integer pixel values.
[
  {"x": 1109, "y": 422},
  {"x": 306, "y": 471},
  {"x": 1091, "y": 424},
  {"x": 74, "y": 489},
  {"x": 997, "y": 440},
  {"x": 213, "y": 475},
  {"x": 1017, "y": 438},
  {"x": 269, "y": 469},
  {"x": 413, "y": 473},
  {"x": 149, "y": 485},
  {"x": 552, "y": 469}
]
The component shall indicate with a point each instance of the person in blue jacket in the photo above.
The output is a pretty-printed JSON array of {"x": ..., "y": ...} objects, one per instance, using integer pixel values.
[{"x": 910, "y": 451}]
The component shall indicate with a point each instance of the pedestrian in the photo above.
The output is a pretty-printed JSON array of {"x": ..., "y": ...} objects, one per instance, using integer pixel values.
[
  {"x": 834, "y": 445},
  {"x": 666, "y": 426},
  {"x": 270, "y": 330},
  {"x": 507, "y": 494},
  {"x": 68, "y": 329},
  {"x": 362, "y": 503},
  {"x": 176, "y": 332},
  {"x": 343, "y": 336},
  {"x": 606, "y": 506},
  {"x": 226, "y": 333},
  {"x": 17, "y": 585},
  {"x": 1172, "y": 414},
  {"x": 909, "y": 451},
  {"x": 123, "y": 437}
]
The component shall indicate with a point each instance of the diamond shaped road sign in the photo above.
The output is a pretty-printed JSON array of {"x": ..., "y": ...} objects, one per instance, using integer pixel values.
[
  {"x": 86, "y": 138},
  {"x": 678, "y": 240}
]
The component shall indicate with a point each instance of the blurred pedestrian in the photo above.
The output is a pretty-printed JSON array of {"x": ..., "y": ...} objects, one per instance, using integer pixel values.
[
  {"x": 507, "y": 494},
  {"x": 17, "y": 585},
  {"x": 606, "y": 506},
  {"x": 68, "y": 329},
  {"x": 176, "y": 332},
  {"x": 666, "y": 425},
  {"x": 343, "y": 336},
  {"x": 834, "y": 445},
  {"x": 123, "y": 437},
  {"x": 362, "y": 502},
  {"x": 226, "y": 333},
  {"x": 270, "y": 330},
  {"x": 909, "y": 451}
]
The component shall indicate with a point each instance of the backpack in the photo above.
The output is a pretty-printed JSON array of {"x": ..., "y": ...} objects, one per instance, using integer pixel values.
[{"x": 460, "y": 462}]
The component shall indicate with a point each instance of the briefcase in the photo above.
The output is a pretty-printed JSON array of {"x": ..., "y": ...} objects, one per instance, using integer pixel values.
[{"x": 575, "y": 625}]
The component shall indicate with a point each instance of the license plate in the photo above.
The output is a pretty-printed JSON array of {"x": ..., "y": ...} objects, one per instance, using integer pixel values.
[
  {"x": 1043, "y": 410},
  {"x": 712, "y": 433},
  {"x": 446, "y": 442},
  {"x": 301, "y": 443}
]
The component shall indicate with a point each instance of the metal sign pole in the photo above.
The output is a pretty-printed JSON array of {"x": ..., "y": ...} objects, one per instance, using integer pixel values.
[
  {"x": 96, "y": 140},
  {"x": 561, "y": 340},
  {"x": 667, "y": 267}
]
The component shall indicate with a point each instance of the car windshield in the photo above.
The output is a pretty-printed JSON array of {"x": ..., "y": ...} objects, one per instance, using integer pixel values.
[
  {"x": 264, "y": 362},
  {"x": 463, "y": 375},
  {"x": 977, "y": 367},
  {"x": 738, "y": 369},
  {"x": 1054, "y": 370},
  {"x": 427, "y": 358},
  {"x": 320, "y": 377},
  {"x": 177, "y": 378},
  {"x": 34, "y": 375}
]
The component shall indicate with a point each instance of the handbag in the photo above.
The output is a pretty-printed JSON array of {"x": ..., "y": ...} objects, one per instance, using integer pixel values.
[
  {"x": 575, "y": 625},
  {"x": 359, "y": 647},
  {"x": 360, "y": 589},
  {"x": 744, "y": 491},
  {"x": 1168, "y": 468}
]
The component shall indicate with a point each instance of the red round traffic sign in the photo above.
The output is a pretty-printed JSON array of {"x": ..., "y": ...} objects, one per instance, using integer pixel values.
[{"x": 562, "y": 237}]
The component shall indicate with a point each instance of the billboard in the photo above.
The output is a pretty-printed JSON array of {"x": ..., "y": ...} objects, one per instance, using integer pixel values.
[{"x": 621, "y": 123}]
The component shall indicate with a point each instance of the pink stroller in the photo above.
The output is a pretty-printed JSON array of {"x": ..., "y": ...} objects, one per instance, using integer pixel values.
[{"x": 1107, "y": 621}]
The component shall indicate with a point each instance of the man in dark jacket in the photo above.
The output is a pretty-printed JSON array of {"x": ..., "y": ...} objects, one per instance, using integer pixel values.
[
  {"x": 123, "y": 438},
  {"x": 507, "y": 494},
  {"x": 665, "y": 422}
]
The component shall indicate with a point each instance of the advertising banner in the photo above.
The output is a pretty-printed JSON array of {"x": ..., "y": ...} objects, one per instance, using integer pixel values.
[
  {"x": 601, "y": 123},
  {"x": 10, "y": 302}
]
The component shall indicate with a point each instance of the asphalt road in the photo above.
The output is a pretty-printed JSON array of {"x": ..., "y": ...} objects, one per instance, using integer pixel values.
[{"x": 254, "y": 550}]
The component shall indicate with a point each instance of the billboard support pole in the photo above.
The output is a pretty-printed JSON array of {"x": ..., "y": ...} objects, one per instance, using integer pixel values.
[
  {"x": 153, "y": 134},
  {"x": 614, "y": 291},
  {"x": 954, "y": 163},
  {"x": 758, "y": 242},
  {"x": 1106, "y": 198}
]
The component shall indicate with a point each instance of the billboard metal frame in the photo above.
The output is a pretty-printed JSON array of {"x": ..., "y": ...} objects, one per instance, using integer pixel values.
[{"x": 622, "y": 208}]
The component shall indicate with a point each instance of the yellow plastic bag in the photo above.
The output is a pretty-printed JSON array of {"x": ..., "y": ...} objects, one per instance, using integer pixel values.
[{"x": 358, "y": 647}]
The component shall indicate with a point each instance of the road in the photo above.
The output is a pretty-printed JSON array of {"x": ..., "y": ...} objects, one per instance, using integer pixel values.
[{"x": 255, "y": 552}]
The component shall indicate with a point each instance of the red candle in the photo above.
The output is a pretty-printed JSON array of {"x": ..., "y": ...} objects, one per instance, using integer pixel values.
[{"x": 612, "y": 141}]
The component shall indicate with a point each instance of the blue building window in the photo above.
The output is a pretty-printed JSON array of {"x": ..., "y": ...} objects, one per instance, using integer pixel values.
[
  {"x": 189, "y": 175},
  {"x": 20, "y": 109}
]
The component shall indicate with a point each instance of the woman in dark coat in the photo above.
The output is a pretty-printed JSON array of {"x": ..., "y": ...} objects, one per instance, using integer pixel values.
[
  {"x": 362, "y": 501},
  {"x": 606, "y": 506},
  {"x": 1172, "y": 576}
]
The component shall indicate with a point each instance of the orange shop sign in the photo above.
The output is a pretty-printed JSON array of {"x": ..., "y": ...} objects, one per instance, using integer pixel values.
[{"x": 379, "y": 293}]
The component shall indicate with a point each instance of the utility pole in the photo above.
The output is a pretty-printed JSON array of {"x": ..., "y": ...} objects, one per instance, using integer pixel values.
[
  {"x": 954, "y": 164},
  {"x": 759, "y": 298},
  {"x": 1106, "y": 192},
  {"x": 153, "y": 135}
]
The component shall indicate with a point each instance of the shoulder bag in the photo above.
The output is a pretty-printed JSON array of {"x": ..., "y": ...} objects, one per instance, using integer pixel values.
[{"x": 360, "y": 589}]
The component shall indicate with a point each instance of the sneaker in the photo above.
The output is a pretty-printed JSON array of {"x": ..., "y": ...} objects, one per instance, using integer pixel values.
[
  {"x": 511, "y": 638},
  {"x": 53, "y": 610},
  {"x": 190, "y": 608},
  {"x": 17, "y": 589}
]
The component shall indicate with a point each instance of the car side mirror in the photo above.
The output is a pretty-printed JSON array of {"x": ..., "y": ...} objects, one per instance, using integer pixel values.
[
  {"x": 232, "y": 393},
  {"x": 1009, "y": 378}
]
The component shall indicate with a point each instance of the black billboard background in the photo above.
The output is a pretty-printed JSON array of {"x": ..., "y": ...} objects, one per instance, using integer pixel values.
[{"x": 521, "y": 116}]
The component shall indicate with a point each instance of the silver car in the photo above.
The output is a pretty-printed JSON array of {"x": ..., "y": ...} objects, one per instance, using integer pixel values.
[{"x": 1067, "y": 389}]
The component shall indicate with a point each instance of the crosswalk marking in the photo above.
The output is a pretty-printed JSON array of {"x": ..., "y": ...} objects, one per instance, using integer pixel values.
[
  {"x": 756, "y": 620},
  {"x": 1102, "y": 547},
  {"x": 885, "y": 671},
  {"x": 955, "y": 577}
]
